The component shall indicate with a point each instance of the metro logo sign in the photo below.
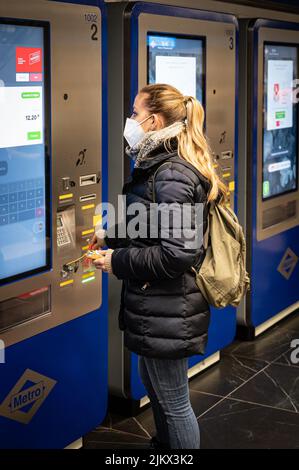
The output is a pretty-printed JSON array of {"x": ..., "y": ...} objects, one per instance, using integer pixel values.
[
  {"x": 29, "y": 59},
  {"x": 26, "y": 397}
]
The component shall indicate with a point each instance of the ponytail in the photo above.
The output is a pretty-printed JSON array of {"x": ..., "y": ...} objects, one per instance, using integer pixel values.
[
  {"x": 194, "y": 148},
  {"x": 192, "y": 144}
]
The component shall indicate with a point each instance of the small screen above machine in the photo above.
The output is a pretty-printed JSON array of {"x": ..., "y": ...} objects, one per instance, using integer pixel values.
[
  {"x": 280, "y": 131},
  {"x": 177, "y": 60}
]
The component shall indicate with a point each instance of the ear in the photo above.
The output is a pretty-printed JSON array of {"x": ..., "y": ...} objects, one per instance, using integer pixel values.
[
  {"x": 157, "y": 122},
  {"x": 153, "y": 122}
]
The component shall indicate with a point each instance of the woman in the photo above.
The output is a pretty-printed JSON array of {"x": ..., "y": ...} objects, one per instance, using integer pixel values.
[{"x": 163, "y": 314}]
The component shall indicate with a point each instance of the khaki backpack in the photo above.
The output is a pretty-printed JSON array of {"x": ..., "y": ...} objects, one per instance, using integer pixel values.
[{"x": 222, "y": 277}]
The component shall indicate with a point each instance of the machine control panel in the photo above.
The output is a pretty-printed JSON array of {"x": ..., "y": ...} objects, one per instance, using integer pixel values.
[{"x": 50, "y": 165}]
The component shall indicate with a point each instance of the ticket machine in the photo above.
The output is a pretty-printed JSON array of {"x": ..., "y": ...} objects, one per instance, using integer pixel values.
[
  {"x": 53, "y": 313},
  {"x": 268, "y": 171},
  {"x": 196, "y": 52}
]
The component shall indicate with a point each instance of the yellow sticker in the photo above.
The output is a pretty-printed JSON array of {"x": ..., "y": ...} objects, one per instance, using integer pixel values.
[
  {"x": 91, "y": 273},
  {"x": 66, "y": 283},
  {"x": 97, "y": 219},
  {"x": 66, "y": 196},
  {"x": 231, "y": 186},
  {"x": 87, "y": 232},
  {"x": 88, "y": 206}
]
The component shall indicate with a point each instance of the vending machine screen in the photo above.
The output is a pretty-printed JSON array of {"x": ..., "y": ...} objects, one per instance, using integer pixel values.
[
  {"x": 177, "y": 60},
  {"x": 280, "y": 130},
  {"x": 24, "y": 149}
]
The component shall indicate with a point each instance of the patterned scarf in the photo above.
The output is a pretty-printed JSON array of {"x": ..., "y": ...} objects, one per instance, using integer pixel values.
[{"x": 152, "y": 140}]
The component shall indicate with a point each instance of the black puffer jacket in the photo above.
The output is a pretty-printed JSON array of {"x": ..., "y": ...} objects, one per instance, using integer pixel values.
[{"x": 162, "y": 312}]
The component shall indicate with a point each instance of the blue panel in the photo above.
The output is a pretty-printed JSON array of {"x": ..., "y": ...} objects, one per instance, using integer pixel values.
[
  {"x": 270, "y": 291},
  {"x": 222, "y": 332},
  {"x": 137, "y": 388},
  {"x": 74, "y": 354},
  {"x": 223, "y": 322}
]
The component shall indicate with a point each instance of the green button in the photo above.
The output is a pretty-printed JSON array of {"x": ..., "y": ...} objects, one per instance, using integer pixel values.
[
  {"x": 280, "y": 114},
  {"x": 33, "y": 135},
  {"x": 266, "y": 188},
  {"x": 30, "y": 94}
]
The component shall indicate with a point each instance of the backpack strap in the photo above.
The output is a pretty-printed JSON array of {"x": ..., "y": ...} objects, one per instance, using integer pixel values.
[
  {"x": 153, "y": 180},
  {"x": 206, "y": 235},
  {"x": 191, "y": 167}
]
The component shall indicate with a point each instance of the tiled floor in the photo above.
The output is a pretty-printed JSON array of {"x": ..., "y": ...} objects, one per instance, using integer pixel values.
[{"x": 249, "y": 400}]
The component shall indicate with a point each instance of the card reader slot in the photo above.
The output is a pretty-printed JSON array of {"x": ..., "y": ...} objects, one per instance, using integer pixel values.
[
  {"x": 87, "y": 180},
  {"x": 226, "y": 168},
  {"x": 226, "y": 155},
  {"x": 87, "y": 197}
]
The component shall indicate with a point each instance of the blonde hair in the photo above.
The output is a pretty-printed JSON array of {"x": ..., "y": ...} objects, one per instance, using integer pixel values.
[{"x": 192, "y": 144}]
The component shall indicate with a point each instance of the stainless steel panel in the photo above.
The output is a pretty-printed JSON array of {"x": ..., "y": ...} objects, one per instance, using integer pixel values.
[
  {"x": 243, "y": 110},
  {"x": 117, "y": 162},
  {"x": 76, "y": 150}
]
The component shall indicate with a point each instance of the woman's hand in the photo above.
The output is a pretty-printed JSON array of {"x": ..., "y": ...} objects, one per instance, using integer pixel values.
[
  {"x": 104, "y": 262},
  {"x": 97, "y": 242}
]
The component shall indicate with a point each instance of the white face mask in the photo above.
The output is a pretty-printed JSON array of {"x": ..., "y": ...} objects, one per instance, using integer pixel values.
[{"x": 133, "y": 132}]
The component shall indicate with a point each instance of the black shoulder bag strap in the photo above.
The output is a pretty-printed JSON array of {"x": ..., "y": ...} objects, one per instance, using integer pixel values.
[
  {"x": 191, "y": 167},
  {"x": 184, "y": 163}
]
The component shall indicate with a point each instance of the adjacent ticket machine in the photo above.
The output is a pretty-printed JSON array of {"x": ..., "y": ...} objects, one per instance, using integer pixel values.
[
  {"x": 196, "y": 52},
  {"x": 53, "y": 315},
  {"x": 268, "y": 171}
]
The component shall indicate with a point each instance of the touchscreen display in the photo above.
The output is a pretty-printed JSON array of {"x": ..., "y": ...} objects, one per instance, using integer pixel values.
[
  {"x": 280, "y": 133},
  {"x": 24, "y": 178},
  {"x": 178, "y": 61}
]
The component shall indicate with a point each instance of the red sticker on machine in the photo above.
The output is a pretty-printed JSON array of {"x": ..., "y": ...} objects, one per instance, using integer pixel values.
[
  {"x": 27, "y": 295},
  {"x": 29, "y": 59}
]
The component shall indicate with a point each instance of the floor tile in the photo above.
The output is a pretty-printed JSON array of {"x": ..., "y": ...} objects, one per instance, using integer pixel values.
[
  {"x": 224, "y": 377},
  {"x": 132, "y": 426},
  {"x": 267, "y": 347},
  {"x": 239, "y": 425},
  {"x": 249, "y": 400},
  {"x": 110, "y": 439},
  {"x": 201, "y": 402},
  {"x": 287, "y": 359},
  {"x": 290, "y": 323},
  {"x": 276, "y": 386},
  {"x": 146, "y": 420}
]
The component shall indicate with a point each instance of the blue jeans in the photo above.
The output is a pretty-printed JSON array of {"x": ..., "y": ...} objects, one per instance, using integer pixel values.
[{"x": 166, "y": 382}]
